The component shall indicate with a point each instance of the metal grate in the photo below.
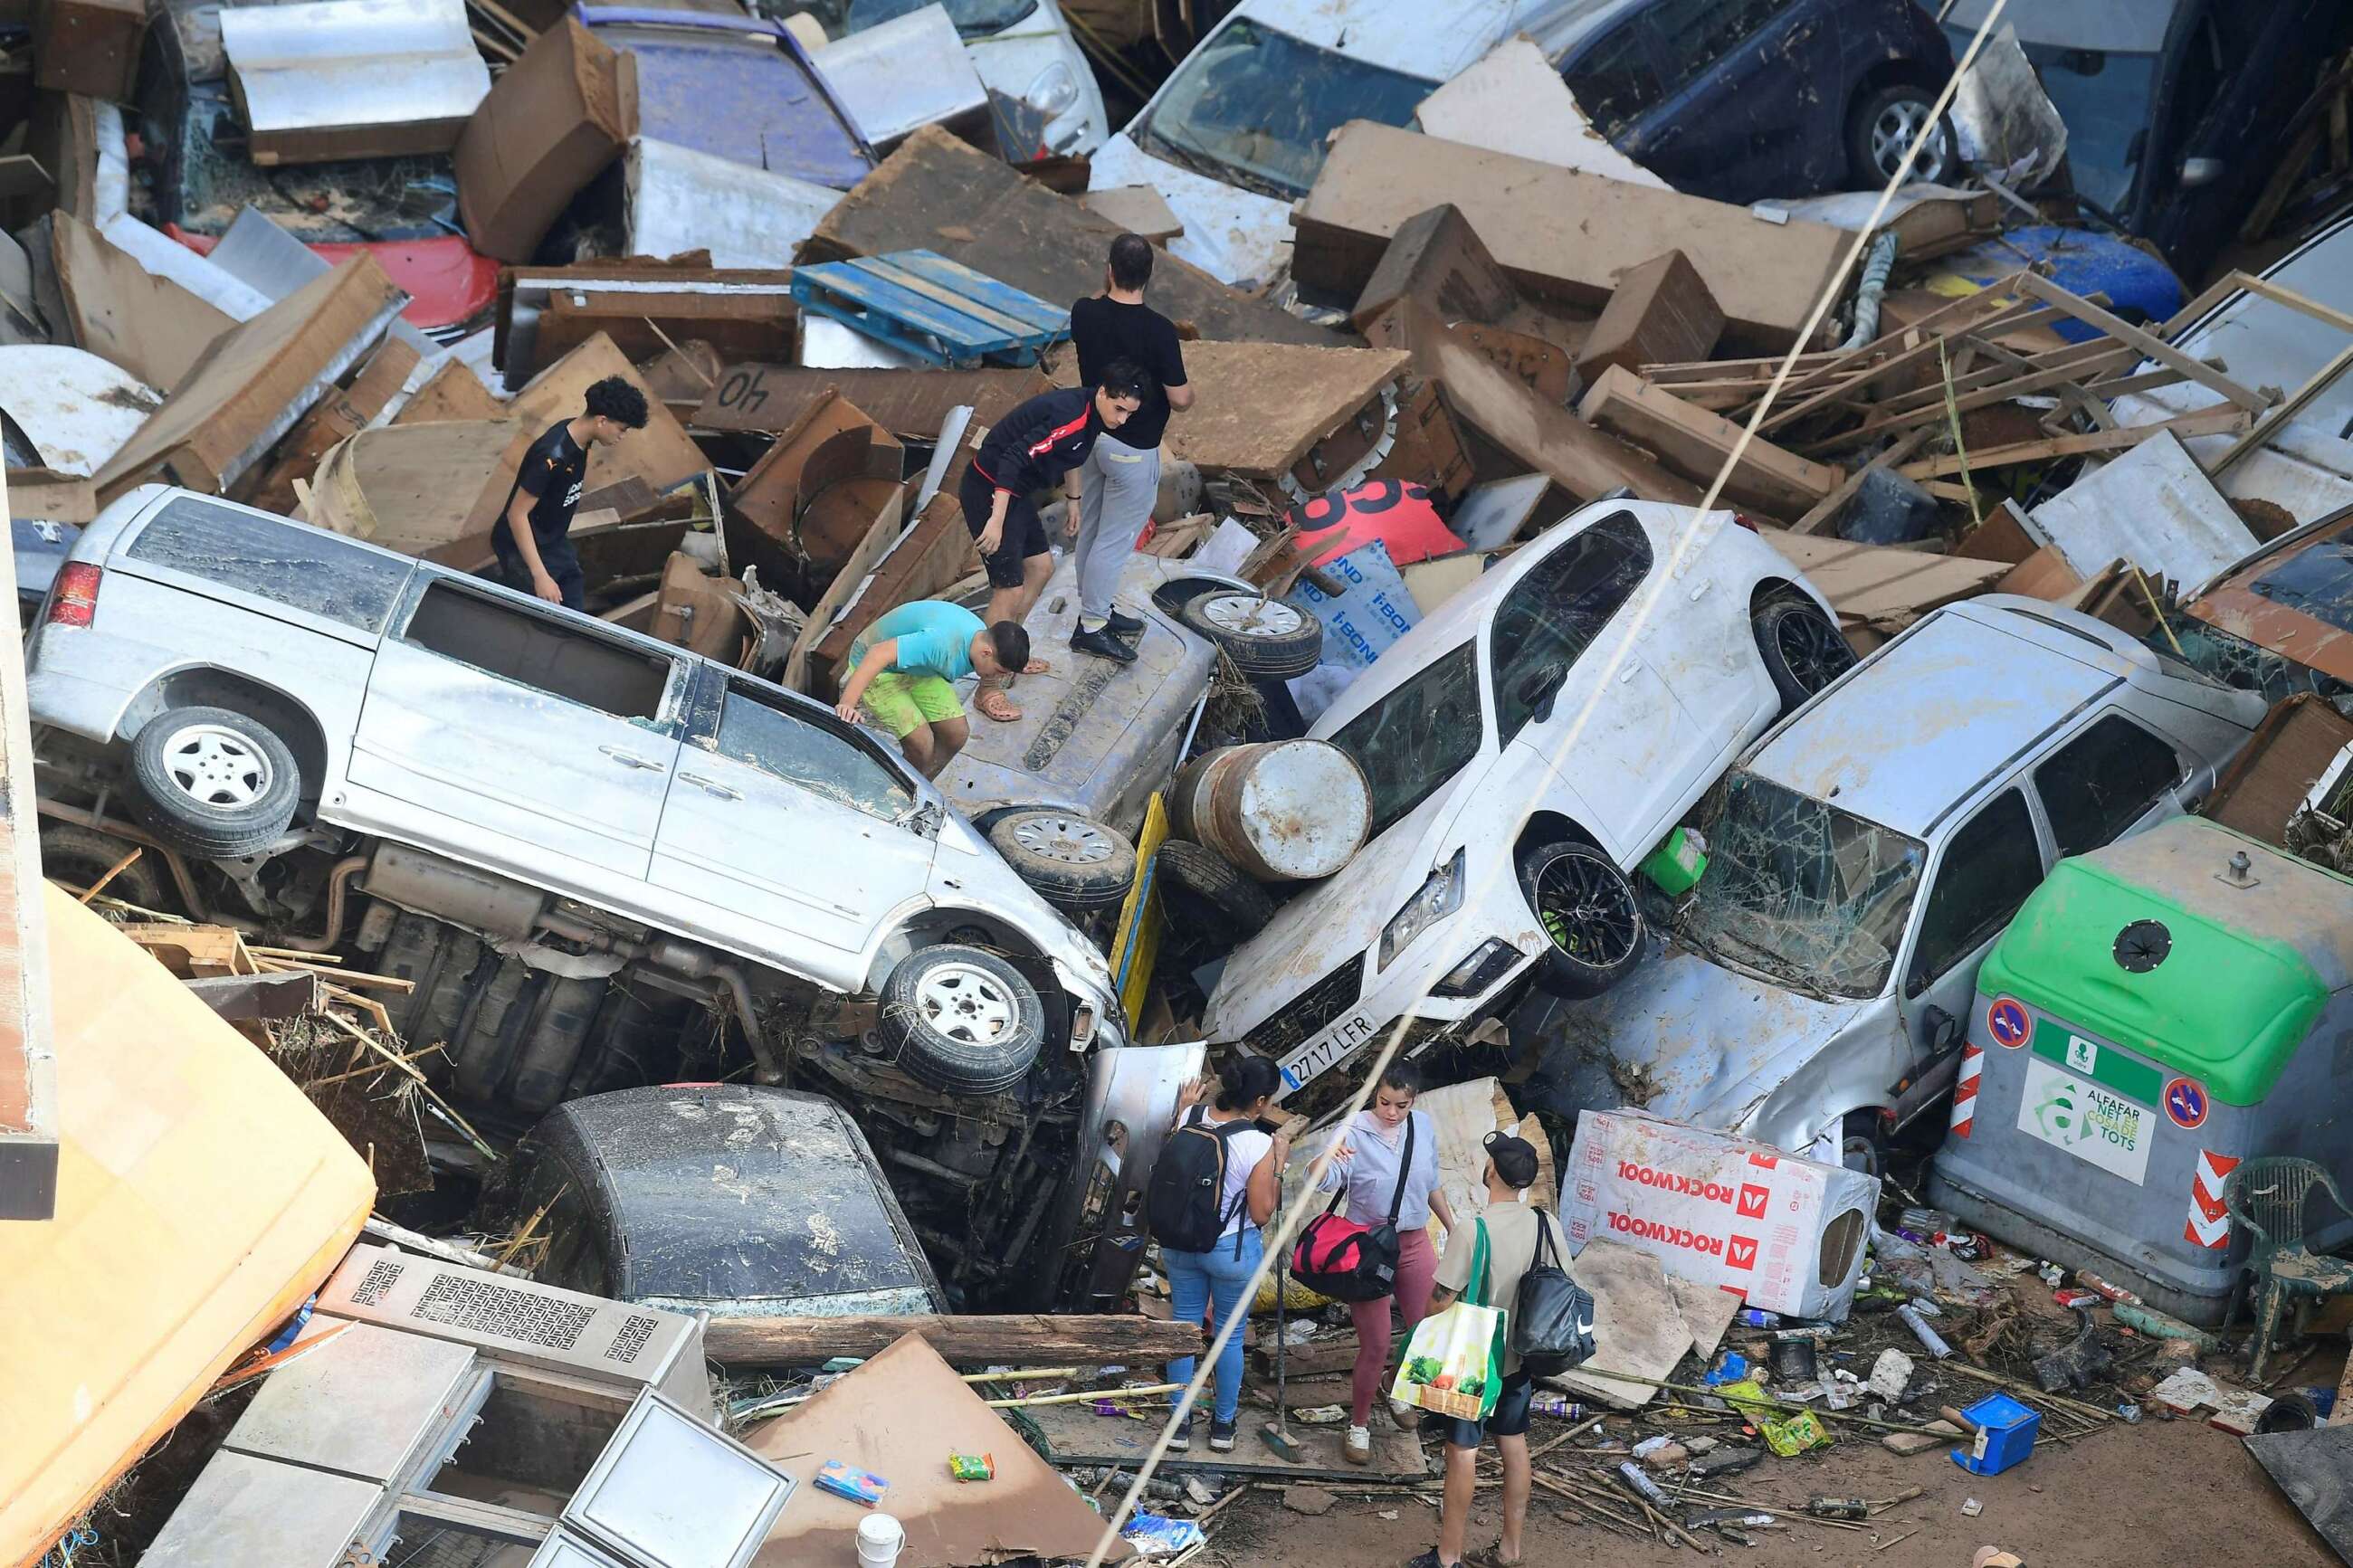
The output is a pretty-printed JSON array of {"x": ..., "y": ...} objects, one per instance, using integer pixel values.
[
  {"x": 381, "y": 1276},
  {"x": 1314, "y": 1008},
  {"x": 632, "y": 1338},
  {"x": 469, "y": 1302}
]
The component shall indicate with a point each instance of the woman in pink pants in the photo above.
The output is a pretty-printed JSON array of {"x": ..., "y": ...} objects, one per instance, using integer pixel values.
[{"x": 1371, "y": 1149}]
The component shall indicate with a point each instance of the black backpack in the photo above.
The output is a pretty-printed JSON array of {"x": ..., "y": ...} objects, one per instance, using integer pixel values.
[
  {"x": 1181, "y": 1204},
  {"x": 1552, "y": 1322}
]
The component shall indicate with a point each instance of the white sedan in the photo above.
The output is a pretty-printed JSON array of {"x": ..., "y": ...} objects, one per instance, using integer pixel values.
[{"x": 1528, "y": 745}]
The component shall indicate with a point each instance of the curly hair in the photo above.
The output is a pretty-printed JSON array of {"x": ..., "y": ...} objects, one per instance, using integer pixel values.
[{"x": 614, "y": 398}]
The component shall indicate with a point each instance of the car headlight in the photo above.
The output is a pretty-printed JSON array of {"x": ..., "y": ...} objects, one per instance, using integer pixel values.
[
  {"x": 1485, "y": 966},
  {"x": 1437, "y": 898},
  {"x": 1056, "y": 91}
]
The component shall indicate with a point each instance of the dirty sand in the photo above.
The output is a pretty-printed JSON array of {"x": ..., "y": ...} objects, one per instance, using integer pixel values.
[{"x": 2163, "y": 1492}]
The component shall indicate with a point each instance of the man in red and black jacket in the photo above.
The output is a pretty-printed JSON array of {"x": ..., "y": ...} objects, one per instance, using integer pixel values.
[{"x": 1030, "y": 450}]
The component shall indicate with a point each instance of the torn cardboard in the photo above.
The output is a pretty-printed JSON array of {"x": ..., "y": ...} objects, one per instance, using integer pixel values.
[
  {"x": 1562, "y": 235},
  {"x": 558, "y": 117},
  {"x": 256, "y": 380},
  {"x": 118, "y": 310}
]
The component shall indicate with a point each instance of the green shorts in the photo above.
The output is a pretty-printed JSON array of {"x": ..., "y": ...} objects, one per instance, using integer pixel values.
[{"x": 903, "y": 703}]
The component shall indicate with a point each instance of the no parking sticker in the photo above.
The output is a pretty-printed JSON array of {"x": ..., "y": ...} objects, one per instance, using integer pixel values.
[
  {"x": 2185, "y": 1102},
  {"x": 2006, "y": 1021}
]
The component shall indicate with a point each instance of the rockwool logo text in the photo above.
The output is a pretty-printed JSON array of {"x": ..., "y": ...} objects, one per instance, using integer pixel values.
[
  {"x": 1668, "y": 1235},
  {"x": 1670, "y": 1182}
]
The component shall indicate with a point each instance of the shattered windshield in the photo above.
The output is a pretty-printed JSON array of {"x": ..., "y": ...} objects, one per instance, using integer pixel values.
[
  {"x": 2318, "y": 580},
  {"x": 1798, "y": 890},
  {"x": 1253, "y": 107},
  {"x": 1418, "y": 737}
]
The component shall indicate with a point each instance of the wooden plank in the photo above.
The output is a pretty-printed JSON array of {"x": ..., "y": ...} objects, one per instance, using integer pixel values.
[
  {"x": 2151, "y": 347},
  {"x": 1929, "y": 404},
  {"x": 1695, "y": 443},
  {"x": 1925, "y": 350},
  {"x": 1023, "y": 1339},
  {"x": 1550, "y": 439},
  {"x": 2205, "y": 422},
  {"x": 1831, "y": 505}
]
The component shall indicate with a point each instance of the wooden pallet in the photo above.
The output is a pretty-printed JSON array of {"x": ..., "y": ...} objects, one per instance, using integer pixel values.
[{"x": 939, "y": 311}]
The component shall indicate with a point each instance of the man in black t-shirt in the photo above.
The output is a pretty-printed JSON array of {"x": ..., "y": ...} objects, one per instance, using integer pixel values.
[
  {"x": 1117, "y": 484},
  {"x": 533, "y": 533}
]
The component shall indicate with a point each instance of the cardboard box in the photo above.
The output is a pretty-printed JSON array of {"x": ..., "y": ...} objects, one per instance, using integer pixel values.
[
  {"x": 699, "y": 612},
  {"x": 553, "y": 122},
  {"x": 1782, "y": 1233}
]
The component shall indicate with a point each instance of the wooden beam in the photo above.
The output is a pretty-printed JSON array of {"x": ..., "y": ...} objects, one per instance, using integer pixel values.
[
  {"x": 1031, "y": 1340},
  {"x": 1696, "y": 443},
  {"x": 2205, "y": 422},
  {"x": 1829, "y": 506},
  {"x": 2011, "y": 318},
  {"x": 1928, "y": 405},
  {"x": 2265, "y": 289},
  {"x": 2150, "y": 346},
  {"x": 2322, "y": 380}
]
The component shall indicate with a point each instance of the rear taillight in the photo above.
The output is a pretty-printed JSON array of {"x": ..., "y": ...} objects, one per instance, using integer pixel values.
[{"x": 73, "y": 600}]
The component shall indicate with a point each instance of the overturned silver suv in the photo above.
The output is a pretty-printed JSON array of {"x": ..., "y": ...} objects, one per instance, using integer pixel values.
[{"x": 571, "y": 838}]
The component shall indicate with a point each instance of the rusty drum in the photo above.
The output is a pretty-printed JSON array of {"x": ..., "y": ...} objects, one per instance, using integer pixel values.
[{"x": 1282, "y": 811}]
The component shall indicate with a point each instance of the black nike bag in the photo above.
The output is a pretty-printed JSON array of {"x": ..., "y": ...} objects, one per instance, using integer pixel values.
[{"x": 1552, "y": 1322}]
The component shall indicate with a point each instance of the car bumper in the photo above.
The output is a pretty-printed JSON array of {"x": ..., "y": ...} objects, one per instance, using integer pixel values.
[{"x": 84, "y": 683}]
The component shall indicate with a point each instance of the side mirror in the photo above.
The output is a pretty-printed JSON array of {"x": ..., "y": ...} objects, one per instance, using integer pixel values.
[
  {"x": 2199, "y": 171},
  {"x": 1943, "y": 1030}
]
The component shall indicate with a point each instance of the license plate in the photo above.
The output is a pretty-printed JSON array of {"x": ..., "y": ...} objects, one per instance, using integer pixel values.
[{"x": 1328, "y": 1049}]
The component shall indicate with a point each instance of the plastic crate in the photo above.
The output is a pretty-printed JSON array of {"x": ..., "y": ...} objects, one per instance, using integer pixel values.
[{"x": 2006, "y": 1433}]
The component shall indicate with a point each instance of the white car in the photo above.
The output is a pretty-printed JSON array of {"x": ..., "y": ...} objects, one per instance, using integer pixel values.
[
  {"x": 1238, "y": 133},
  {"x": 1868, "y": 853},
  {"x": 1022, "y": 49},
  {"x": 1527, "y": 745}
]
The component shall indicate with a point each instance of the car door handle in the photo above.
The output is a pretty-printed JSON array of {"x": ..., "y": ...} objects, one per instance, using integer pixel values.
[
  {"x": 628, "y": 760},
  {"x": 712, "y": 785}
]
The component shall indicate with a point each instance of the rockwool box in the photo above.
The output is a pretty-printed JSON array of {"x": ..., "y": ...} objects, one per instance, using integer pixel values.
[{"x": 1783, "y": 1233}]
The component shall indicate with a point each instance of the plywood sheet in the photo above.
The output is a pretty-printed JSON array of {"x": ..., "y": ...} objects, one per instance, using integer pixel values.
[
  {"x": 1546, "y": 437},
  {"x": 409, "y": 488},
  {"x": 661, "y": 453},
  {"x": 899, "y": 1415},
  {"x": 910, "y": 404},
  {"x": 1638, "y": 1324},
  {"x": 1562, "y": 235},
  {"x": 1259, "y": 407},
  {"x": 1881, "y": 584}
]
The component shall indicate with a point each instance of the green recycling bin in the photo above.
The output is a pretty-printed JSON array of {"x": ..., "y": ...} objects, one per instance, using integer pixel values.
[{"x": 2159, "y": 1011}]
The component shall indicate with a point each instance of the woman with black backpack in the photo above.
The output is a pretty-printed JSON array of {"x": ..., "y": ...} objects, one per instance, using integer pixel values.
[{"x": 1214, "y": 1184}]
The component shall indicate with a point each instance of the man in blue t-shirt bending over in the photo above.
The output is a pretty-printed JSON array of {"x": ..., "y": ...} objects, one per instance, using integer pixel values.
[{"x": 905, "y": 666}]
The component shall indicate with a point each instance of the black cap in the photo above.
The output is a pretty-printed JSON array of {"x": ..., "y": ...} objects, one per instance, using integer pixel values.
[{"x": 1514, "y": 1159}]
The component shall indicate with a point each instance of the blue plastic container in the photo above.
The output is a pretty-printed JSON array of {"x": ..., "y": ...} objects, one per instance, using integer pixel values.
[{"x": 2006, "y": 1431}]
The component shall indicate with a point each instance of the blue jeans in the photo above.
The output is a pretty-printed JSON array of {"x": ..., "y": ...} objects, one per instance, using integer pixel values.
[{"x": 1195, "y": 1280}]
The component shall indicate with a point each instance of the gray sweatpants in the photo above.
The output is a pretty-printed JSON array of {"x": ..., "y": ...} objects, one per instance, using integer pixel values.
[{"x": 1115, "y": 496}]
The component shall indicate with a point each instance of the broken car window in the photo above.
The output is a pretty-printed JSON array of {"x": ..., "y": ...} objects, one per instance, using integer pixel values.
[
  {"x": 2317, "y": 580},
  {"x": 1616, "y": 81},
  {"x": 1254, "y": 107},
  {"x": 1552, "y": 615},
  {"x": 757, "y": 732},
  {"x": 1990, "y": 867},
  {"x": 1418, "y": 737},
  {"x": 539, "y": 651},
  {"x": 1798, "y": 890},
  {"x": 2102, "y": 781}
]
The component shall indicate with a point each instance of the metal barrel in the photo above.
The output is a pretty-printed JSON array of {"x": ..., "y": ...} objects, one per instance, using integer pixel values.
[{"x": 1282, "y": 811}]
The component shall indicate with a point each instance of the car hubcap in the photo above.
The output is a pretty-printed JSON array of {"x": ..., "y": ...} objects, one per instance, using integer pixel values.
[
  {"x": 216, "y": 766},
  {"x": 1066, "y": 839},
  {"x": 1586, "y": 913},
  {"x": 1892, "y": 134},
  {"x": 965, "y": 1003},
  {"x": 1813, "y": 649},
  {"x": 1248, "y": 616}
]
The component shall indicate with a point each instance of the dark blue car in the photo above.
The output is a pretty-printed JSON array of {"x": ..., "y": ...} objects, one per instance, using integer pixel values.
[{"x": 1742, "y": 100}]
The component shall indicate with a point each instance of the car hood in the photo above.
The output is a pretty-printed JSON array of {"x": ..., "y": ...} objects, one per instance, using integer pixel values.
[
  {"x": 1683, "y": 1038},
  {"x": 1236, "y": 235},
  {"x": 1336, "y": 918}
]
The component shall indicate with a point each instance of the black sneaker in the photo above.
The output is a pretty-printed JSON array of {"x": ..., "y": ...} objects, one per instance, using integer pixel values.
[
  {"x": 1221, "y": 1436},
  {"x": 1103, "y": 644},
  {"x": 1182, "y": 1441},
  {"x": 1120, "y": 625}
]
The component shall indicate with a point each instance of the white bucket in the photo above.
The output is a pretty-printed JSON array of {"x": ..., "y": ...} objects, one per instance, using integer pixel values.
[{"x": 879, "y": 1540}]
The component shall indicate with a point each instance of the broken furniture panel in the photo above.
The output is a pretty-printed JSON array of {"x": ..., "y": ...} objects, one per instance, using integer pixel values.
[
  {"x": 937, "y": 311},
  {"x": 698, "y": 611},
  {"x": 2154, "y": 507},
  {"x": 76, "y": 409},
  {"x": 1881, "y": 587},
  {"x": 1263, "y": 406},
  {"x": 1695, "y": 443},
  {"x": 353, "y": 79},
  {"x": 452, "y": 392},
  {"x": 256, "y": 380},
  {"x": 89, "y": 47},
  {"x": 935, "y": 552},
  {"x": 682, "y": 199},
  {"x": 1514, "y": 101},
  {"x": 908, "y": 72},
  {"x": 343, "y": 413},
  {"x": 1436, "y": 261},
  {"x": 646, "y": 308},
  {"x": 556, "y": 118},
  {"x": 1024, "y": 236},
  {"x": 1563, "y": 235},
  {"x": 410, "y": 487},
  {"x": 2266, "y": 785},
  {"x": 802, "y": 509},
  {"x": 910, "y": 404},
  {"x": 118, "y": 310},
  {"x": 1660, "y": 311}
]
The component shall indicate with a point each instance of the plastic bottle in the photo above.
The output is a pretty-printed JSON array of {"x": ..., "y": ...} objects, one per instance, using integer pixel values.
[
  {"x": 1929, "y": 1337},
  {"x": 1558, "y": 1405}
]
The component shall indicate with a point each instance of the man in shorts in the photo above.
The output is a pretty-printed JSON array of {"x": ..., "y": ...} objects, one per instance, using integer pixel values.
[
  {"x": 903, "y": 669},
  {"x": 1512, "y": 1230},
  {"x": 1030, "y": 450}
]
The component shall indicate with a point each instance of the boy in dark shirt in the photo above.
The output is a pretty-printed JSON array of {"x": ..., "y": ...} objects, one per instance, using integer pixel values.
[
  {"x": 1030, "y": 450},
  {"x": 533, "y": 535},
  {"x": 1121, "y": 478}
]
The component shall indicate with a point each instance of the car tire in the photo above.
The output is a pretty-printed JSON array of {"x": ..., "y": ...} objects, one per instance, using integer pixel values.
[
  {"x": 1240, "y": 906},
  {"x": 1588, "y": 911},
  {"x": 1862, "y": 1142},
  {"x": 1883, "y": 124},
  {"x": 1072, "y": 860},
  {"x": 214, "y": 783},
  {"x": 1803, "y": 649},
  {"x": 77, "y": 857},
  {"x": 1264, "y": 637},
  {"x": 961, "y": 1020}
]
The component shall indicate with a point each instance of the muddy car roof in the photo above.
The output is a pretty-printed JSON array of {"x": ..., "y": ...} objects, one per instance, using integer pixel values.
[
  {"x": 1919, "y": 725},
  {"x": 730, "y": 1193}
]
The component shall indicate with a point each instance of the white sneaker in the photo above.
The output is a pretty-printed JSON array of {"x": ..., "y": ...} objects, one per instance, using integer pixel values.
[{"x": 1358, "y": 1449}]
